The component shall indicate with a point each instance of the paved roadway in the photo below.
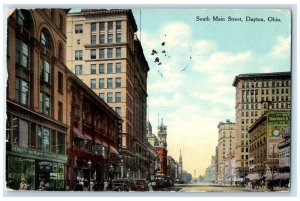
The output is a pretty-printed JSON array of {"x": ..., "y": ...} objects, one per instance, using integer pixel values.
[{"x": 208, "y": 188}]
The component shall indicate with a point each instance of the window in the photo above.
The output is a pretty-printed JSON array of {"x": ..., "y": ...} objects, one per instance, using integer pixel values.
[
  {"x": 101, "y": 68},
  {"x": 93, "y": 83},
  {"x": 61, "y": 139},
  {"x": 78, "y": 69},
  {"x": 93, "y": 39},
  {"x": 22, "y": 91},
  {"x": 78, "y": 28},
  {"x": 78, "y": 54},
  {"x": 119, "y": 25},
  {"x": 93, "y": 54},
  {"x": 20, "y": 132},
  {"x": 109, "y": 68},
  {"x": 101, "y": 95},
  {"x": 60, "y": 111},
  {"x": 101, "y": 83},
  {"x": 109, "y": 97},
  {"x": 118, "y": 97},
  {"x": 93, "y": 68},
  {"x": 22, "y": 53},
  {"x": 118, "y": 67},
  {"x": 102, "y": 26},
  {"x": 101, "y": 54},
  {"x": 60, "y": 83},
  {"x": 110, "y": 38},
  {"x": 93, "y": 27},
  {"x": 110, "y": 26},
  {"x": 109, "y": 53},
  {"x": 118, "y": 111},
  {"x": 45, "y": 39},
  {"x": 45, "y": 103},
  {"x": 45, "y": 70},
  {"x": 286, "y": 90},
  {"x": 44, "y": 138},
  {"x": 61, "y": 22},
  {"x": 118, "y": 82},
  {"x": 102, "y": 38},
  {"x": 118, "y": 52},
  {"x": 119, "y": 38},
  {"x": 109, "y": 83}
]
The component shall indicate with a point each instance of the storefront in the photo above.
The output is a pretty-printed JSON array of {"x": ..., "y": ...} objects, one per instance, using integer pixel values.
[{"x": 35, "y": 166}]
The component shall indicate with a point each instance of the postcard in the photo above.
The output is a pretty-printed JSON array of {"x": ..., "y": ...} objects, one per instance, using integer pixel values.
[{"x": 148, "y": 100}]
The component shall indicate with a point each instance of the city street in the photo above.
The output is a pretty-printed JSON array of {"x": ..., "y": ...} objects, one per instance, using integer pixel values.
[{"x": 212, "y": 188}]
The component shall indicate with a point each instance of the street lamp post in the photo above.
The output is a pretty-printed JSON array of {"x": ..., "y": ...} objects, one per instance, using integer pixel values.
[{"x": 272, "y": 187}]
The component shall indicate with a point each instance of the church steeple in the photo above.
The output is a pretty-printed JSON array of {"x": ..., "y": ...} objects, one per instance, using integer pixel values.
[
  {"x": 180, "y": 158},
  {"x": 162, "y": 133}
]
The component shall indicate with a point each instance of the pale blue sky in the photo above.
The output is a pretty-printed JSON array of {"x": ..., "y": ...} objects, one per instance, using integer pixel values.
[{"x": 194, "y": 101}]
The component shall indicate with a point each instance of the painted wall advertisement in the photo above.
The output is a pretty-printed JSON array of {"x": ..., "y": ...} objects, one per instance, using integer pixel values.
[{"x": 278, "y": 128}]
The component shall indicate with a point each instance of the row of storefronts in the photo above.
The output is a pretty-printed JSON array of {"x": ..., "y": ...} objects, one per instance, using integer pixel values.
[{"x": 58, "y": 131}]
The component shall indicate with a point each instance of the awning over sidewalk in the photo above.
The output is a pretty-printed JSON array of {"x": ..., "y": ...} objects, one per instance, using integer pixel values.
[
  {"x": 113, "y": 150},
  {"x": 253, "y": 176},
  {"x": 279, "y": 176},
  {"x": 283, "y": 176},
  {"x": 78, "y": 134}
]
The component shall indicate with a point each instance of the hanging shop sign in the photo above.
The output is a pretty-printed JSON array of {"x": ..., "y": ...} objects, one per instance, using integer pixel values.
[{"x": 45, "y": 166}]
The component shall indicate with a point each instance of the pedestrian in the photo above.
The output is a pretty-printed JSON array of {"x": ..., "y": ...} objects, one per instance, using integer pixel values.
[
  {"x": 41, "y": 186},
  {"x": 150, "y": 188},
  {"x": 23, "y": 185},
  {"x": 105, "y": 185}
]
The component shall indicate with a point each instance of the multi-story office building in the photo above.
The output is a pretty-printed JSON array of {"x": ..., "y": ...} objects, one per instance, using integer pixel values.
[
  {"x": 256, "y": 94},
  {"x": 226, "y": 146},
  {"x": 266, "y": 137},
  {"x": 37, "y": 129},
  {"x": 103, "y": 52}
]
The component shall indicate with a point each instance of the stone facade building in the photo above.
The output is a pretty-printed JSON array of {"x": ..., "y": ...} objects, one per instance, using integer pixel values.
[
  {"x": 226, "y": 146},
  {"x": 103, "y": 51},
  {"x": 256, "y": 94},
  {"x": 37, "y": 130}
]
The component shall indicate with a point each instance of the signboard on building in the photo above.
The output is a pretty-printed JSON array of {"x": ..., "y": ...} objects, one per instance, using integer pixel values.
[
  {"x": 279, "y": 119},
  {"x": 97, "y": 149},
  {"x": 45, "y": 166}
]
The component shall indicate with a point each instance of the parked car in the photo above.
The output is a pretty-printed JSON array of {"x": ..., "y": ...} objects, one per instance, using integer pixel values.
[
  {"x": 141, "y": 185},
  {"x": 123, "y": 185}
]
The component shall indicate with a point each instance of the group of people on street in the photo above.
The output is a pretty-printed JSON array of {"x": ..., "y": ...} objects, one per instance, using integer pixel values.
[{"x": 84, "y": 185}]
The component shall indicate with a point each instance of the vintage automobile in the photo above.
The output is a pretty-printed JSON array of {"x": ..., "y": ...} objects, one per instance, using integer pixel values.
[
  {"x": 124, "y": 184},
  {"x": 141, "y": 185}
]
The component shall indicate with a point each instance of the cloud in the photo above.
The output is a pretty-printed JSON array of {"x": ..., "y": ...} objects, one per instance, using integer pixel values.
[
  {"x": 221, "y": 61},
  {"x": 174, "y": 33},
  {"x": 282, "y": 48}
]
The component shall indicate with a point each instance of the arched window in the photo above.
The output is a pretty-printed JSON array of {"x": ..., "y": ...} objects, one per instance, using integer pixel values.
[{"x": 45, "y": 39}]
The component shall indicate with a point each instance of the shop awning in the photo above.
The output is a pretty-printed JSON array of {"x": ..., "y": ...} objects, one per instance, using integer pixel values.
[
  {"x": 253, "y": 176},
  {"x": 98, "y": 141},
  {"x": 78, "y": 134},
  {"x": 281, "y": 176},
  {"x": 104, "y": 144},
  {"x": 88, "y": 137},
  {"x": 113, "y": 150}
]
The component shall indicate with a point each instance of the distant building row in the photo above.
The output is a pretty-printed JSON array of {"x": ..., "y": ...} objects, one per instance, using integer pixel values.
[{"x": 257, "y": 146}]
